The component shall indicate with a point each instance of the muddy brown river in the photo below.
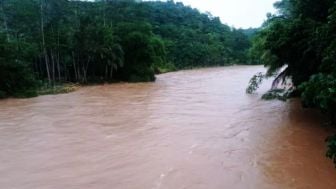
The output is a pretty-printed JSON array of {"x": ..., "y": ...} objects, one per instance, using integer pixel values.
[{"x": 189, "y": 130}]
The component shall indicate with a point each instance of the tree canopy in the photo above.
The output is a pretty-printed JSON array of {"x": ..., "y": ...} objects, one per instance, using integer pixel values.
[
  {"x": 301, "y": 38},
  {"x": 57, "y": 41}
]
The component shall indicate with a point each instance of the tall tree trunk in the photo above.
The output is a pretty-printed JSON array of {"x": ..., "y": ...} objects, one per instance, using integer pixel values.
[
  {"x": 79, "y": 69},
  {"x": 40, "y": 67},
  {"x": 4, "y": 19},
  {"x": 58, "y": 67},
  {"x": 43, "y": 42},
  {"x": 65, "y": 71},
  {"x": 106, "y": 72},
  {"x": 111, "y": 73},
  {"x": 74, "y": 65},
  {"x": 46, "y": 61},
  {"x": 58, "y": 56},
  {"x": 53, "y": 67},
  {"x": 84, "y": 74},
  {"x": 85, "y": 69}
]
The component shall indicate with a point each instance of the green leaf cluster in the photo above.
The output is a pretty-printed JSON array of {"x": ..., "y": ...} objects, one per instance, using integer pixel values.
[{"x": 302, "y": 38}]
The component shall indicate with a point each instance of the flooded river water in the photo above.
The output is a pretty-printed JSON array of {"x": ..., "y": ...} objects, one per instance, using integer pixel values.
[{"x": 190, "y": 130}]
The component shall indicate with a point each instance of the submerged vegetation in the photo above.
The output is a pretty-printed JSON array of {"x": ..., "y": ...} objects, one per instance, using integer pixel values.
[
  {"x": 301, "y": 37},
  {"x": 57, "y": 89},
  {"x": 279, "y": 94},
  {"x": 49, "y": 42}
]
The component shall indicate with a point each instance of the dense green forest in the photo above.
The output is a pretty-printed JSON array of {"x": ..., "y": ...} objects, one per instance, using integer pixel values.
[
  {"x": 50, "y": 42},
  {"x": 299, "y": 43}
]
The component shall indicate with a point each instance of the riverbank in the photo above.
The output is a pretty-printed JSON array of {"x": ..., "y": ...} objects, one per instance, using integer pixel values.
[{"x": 60, "y": 88}]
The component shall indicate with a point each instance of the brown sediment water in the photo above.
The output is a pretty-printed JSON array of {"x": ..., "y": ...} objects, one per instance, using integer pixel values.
[{"x": 189, "y": 130}]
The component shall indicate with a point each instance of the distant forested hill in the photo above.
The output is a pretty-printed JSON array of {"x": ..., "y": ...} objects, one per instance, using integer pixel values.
[{"x": 56, "y": 41}]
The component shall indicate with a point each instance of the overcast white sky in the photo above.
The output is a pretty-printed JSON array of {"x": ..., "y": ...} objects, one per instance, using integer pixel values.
[{"x": 237, "y": 13}]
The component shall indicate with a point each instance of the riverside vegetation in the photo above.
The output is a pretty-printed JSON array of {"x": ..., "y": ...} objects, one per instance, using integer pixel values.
[
  {"x": 301, "y": 38},
  {"x": 46, "y": 43}
]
